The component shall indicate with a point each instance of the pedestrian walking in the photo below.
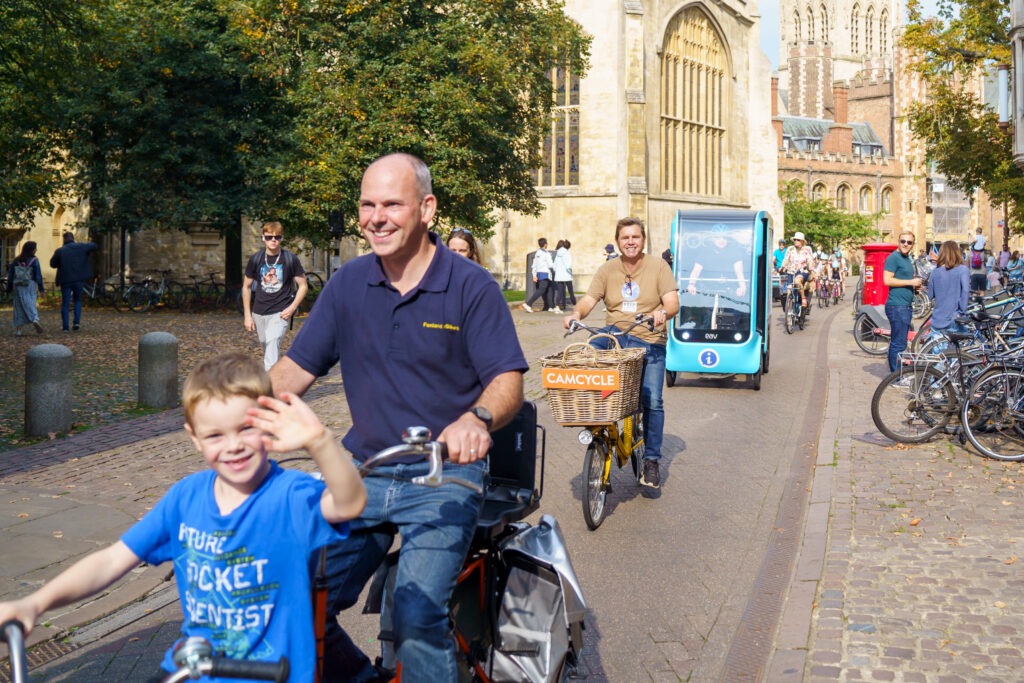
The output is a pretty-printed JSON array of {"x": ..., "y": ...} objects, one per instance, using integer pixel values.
[
  {"x": 74, "y": 269},
  {"x": 25, "y": 284},
  {"x": 272, "y": 289},
  {"x": 423, "y": 337},
  {"x": 542, "y": 270},
  {"x": 564, "y": 294},
  {"x": 902, "y": 283}
]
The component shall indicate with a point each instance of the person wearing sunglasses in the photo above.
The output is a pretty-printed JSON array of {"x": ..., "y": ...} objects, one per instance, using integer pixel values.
[
  {"x": 902, "y": 283},
  {"x": 462, "y": 242},
  {"x": 272, "y": 289}
]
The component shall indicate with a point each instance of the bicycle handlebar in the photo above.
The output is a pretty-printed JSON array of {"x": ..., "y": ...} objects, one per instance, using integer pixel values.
[
  {"x": 418, "y": 443},
  {"x": 13, "y": 633},
  {"x": 194, "y": 658},
  {"x": 641, "y": 319}
]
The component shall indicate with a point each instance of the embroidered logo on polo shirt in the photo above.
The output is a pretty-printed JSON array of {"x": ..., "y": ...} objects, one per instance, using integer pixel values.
[{"x": 441, "y": 326}]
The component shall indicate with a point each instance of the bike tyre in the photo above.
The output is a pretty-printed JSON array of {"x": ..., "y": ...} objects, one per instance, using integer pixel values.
[
  {"x": 139, "y": 299},
  {"x": 670, "y": 377},
  {"x": 787, "y": 315},
  {"x": 911, "y": 405},
  {"x": 867, "y": 340},
  {"x": 595, "y": 489},
  {"x": 121, "y": 295},
  {"x": 636, "y": 456},
  {"x": 993, "y": 415}
]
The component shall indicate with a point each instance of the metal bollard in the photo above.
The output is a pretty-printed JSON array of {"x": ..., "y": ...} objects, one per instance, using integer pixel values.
[
  {"x": 158, "y": 370},
  {"x": 48, "y": 370}
]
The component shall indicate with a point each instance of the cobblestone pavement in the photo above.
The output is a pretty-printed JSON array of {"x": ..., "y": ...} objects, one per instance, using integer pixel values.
[
  {"x": 918, "y": 579},
  {"x": 908, "y": 572}
]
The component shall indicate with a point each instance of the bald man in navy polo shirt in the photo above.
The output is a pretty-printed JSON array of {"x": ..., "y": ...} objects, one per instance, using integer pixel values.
[{"x": 423, "y": 337}]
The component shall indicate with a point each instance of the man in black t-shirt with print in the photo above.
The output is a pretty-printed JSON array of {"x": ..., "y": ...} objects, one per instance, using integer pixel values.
[{"x": 269, "y": 299}]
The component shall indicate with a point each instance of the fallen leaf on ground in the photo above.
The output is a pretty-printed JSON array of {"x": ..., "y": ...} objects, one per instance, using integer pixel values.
[{"x": 915, "y": 521}]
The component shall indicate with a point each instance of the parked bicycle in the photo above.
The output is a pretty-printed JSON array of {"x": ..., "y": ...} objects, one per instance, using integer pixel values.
[
  {"x": 150, "y": 292},
  {"x": 99, "y": 292}
]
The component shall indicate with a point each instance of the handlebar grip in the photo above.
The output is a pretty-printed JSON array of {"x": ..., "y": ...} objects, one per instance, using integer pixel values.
[
  {"x": 13, "y": 633},
  {"x": 244, "y": 668}
]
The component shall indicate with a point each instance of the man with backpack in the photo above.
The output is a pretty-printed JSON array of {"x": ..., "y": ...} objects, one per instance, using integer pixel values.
[
  {"x": 979, "y": 273},
  {"x": 273, "y": 287}
]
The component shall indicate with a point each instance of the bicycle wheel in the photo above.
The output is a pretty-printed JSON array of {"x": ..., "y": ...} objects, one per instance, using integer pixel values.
[
  {"x": 636, "y": 456},
  {"x": 993, "y": 415},
  {"x": 596, "y": 467},
  {"x": 139, "y": 299},
  {"x": 867, "y": 339},
  {"x": 787, "y": 314},
  {"x": 315, "y": 282},
  {"x": 801, "y": 314},
  {"x": 914, "y": 404},
  {"x": 121, "y": 295}
]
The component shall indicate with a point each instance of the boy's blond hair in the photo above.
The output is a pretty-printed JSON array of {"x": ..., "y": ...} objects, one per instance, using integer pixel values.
[
  {"x": 223, "y": 377},
  {"x": 273, "y": 226}
]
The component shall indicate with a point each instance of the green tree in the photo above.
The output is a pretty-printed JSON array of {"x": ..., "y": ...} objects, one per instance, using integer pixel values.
[
  {"x": 38, "y": 41},
  {"x": 961, "y": 133},
  {"x": 461, "y": 83},
  {"x": 825, "y": 226}
]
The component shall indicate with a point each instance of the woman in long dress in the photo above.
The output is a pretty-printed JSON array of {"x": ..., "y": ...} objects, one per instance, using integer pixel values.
[{"x": 25, "y": 282}]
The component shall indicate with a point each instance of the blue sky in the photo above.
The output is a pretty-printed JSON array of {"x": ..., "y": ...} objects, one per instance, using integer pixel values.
[{"x": 770, "y": 27}]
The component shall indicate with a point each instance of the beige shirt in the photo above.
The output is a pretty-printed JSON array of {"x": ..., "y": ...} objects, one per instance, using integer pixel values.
[{"x": 626, "y": 295}]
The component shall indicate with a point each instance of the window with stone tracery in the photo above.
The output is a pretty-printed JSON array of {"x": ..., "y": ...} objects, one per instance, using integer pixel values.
[
  {"x": 810, "y": 24},
  {"x": 693, "y": 105},
  {"x": 796, "y": 27},
  {"x": 855, "y": 29},
  {"x": 864, "y": 199},
  {"x": 843, "y": 197},
  {"x": 824, "y": 23},
  {"x": 883, "y": 32},
  {"x": 561, "y": 147},
  {"x": 869, "y": 33}
]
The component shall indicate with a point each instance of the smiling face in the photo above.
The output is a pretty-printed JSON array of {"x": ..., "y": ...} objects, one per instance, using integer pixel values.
[
  {"x": 393, "y": 212},
  {"x": 232, "y": 447},
  {"x": 631, "y": 242}
]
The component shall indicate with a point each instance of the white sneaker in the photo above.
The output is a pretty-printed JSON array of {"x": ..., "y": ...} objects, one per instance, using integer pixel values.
[
  {"x": 556, "y": 309},
  {"x": 526, "y": 308}
]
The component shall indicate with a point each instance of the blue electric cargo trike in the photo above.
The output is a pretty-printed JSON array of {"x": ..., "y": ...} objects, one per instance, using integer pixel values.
[{"x": 723, "y": 267}]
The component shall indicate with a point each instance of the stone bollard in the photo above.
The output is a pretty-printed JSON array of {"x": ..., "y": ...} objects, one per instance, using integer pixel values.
[
  {"x": 158, "y": 370},
  {"x": 48, "y": 369}
]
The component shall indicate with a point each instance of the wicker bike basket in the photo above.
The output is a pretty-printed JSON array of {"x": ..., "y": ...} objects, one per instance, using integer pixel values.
[{"x": 579, "y": 406}]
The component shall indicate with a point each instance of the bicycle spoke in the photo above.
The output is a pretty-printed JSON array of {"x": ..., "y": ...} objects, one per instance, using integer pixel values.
[
  {"x": 993, "y": 415},
  {"x": 913, "y": 404}
]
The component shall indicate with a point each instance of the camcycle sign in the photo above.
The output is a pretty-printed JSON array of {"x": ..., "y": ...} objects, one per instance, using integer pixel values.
[{"x": 605, "y": 381}]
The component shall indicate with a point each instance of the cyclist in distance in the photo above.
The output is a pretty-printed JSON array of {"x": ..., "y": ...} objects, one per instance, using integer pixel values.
[
  {"x": 423, "y": 337},
  {"x": 629, "y": 285},
  {"x": 798, "y": 261}
]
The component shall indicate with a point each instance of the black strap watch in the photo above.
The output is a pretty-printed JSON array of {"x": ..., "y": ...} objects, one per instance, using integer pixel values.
[{"x": 483, "y": 415}]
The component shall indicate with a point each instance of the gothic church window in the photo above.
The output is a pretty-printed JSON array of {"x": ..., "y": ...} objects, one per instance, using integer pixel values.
[
  {"x": 843, "y": 197},
  {"x": 869, "y": 33},
  {"x": 819, "y": 192},
  {"x": 824, "y": 23},
  {"x": 864, "y": 199},
  {"x": 887, "y": 200},
  {"x": 883, "y": 32},
  {"x": 560, "y": 153},
  {"x": 855, "y": 29},
  {"x": 810, "y": 24},
  {"x": 796, "y": 27},
  {"x": 693, "y": 105}
]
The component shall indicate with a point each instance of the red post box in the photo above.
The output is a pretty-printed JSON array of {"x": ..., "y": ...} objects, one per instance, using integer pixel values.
[{"x": 875, "y": 291}]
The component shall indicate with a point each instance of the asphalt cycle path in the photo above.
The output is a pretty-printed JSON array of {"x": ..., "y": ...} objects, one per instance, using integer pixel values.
[{"x": 683, "y": 584}]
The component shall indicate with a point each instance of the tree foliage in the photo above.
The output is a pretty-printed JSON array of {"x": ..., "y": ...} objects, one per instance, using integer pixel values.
[
  {"x": 173, "y": 112},
  {"x": 461, "y": 83},
  {"x": 825, "y": 226},
  {"x": 961, "y": 133}
]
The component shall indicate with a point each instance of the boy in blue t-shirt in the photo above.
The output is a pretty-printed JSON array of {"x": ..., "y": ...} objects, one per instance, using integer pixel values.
[{"x": 240, "y": 534}]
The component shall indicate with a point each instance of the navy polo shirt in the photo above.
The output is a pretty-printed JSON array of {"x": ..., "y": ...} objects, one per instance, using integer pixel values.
[{"x": 419, "y": 359}]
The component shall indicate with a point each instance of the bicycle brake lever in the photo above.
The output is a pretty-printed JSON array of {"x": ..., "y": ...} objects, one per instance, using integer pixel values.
[
  {"x": 434, "y": 477},
  {"x": 475, "y": 488}
]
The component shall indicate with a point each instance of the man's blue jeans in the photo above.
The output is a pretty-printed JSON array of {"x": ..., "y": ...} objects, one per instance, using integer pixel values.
[
  {"x": 899, "y": 327},
  {"x": 436, "y": 527},
  {"x": 650, "y": 391},
  {"x": 67, "y": 291}
]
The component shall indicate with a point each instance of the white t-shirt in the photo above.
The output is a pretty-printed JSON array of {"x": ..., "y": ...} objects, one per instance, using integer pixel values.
[{"x": 979, "y": 243}]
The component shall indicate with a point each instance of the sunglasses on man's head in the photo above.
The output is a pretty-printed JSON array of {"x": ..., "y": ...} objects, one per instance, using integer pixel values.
[
  {"x": 908, "y": 242},
  {"x": 276, "y": 238}
]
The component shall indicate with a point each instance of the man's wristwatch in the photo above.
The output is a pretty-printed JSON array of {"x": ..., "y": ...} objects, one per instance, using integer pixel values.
[{"x": 483, "y": 415}]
